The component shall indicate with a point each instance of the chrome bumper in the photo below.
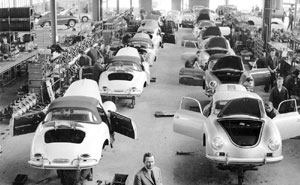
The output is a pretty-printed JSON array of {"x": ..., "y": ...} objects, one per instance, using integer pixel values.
[{"x": 232, "y": 160}]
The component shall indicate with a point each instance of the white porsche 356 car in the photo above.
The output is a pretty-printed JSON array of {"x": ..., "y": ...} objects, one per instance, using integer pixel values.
[
  {"x": 142, "y": 41},
  {"x": 152, "y": 28},
  {"x": 235, "y": 130},
  {"x": 126, "y": 76},
  {"x": 75, "y": 129}
]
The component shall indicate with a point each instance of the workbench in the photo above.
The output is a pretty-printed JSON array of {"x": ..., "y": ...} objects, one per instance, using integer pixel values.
[{"x": 8, "y": 68}]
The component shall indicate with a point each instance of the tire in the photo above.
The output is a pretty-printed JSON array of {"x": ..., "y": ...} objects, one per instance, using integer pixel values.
[
  {"x": 84, "y": 19},
  {"x": 48, "y": 23},
  {"x": 71, "y": 23}
]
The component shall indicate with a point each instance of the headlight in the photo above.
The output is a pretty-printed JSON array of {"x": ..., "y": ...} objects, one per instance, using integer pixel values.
[
  {"x": 217, "y": 143},
  {"x": 104, "y": 88},
  {"x": 212, "y": 84},
  {"x": 85, "y": 156},
  {"x": 273, "y": 144},
  {"x": 133, "y": 89}
]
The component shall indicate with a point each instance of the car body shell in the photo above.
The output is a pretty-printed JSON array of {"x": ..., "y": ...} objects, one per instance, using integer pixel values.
[
  {"x": 62, "y": 19},
  {"x": 187, "y": 20},
  {"x": 226, "y": 69},
  {"x": 143, "y": 41},
  {"x": 220, "y": 145},
  {"x": 125, "y": 76},
  {"x": 200, "y": 25},
  {"x": 152, "y": 28},
  {"x": 214, "y": 45},
  {"x": 174, "y": 15}
]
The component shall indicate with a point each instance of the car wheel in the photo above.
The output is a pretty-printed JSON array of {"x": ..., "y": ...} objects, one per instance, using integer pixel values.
[
  {"x": 85, "y": 19},
  {"x": 47, "y": 23},
  {"x": 71, "y": 23}
]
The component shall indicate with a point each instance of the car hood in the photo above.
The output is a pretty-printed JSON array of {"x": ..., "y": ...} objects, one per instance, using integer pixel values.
[
  {"x": 229, "y": 62},
  {"x": 242, "y": 106}
]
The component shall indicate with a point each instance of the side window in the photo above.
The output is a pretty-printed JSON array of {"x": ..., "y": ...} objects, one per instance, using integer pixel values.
[
  {"x": 190, "y": 104},
  {"x": 287, "y": 106},
  {"x": 102, "y": 115}
]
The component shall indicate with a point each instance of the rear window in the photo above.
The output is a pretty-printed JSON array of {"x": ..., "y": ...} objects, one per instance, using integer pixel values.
[
  {"x": 71, "y": 114},
  {"x": 244, "y": 106},
  {"x": 218, "y": 42},
  {"x": 120, "y": 76}
]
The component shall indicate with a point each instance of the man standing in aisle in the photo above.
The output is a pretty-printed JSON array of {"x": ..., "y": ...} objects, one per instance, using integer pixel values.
[
  {"x": 291, "y": 20},
  {"x": 278, "y": 93},
  {"x": 149, "y": 174},
  {"x": 272, "y": 65}
]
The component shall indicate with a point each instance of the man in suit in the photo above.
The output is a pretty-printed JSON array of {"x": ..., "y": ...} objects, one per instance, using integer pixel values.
[{"x": 149, "y": 174}]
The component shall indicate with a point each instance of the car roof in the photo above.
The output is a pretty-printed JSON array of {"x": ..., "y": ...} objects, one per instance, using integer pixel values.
[
  {"x": 125, "y": 58},
  {"x": 128, "y": 51},
  {"x": 82, "y": 102},
  {"x": 141, "y": 37},
  {"x": 232, "y": 91},
  {"x": 84, "y": 87}
]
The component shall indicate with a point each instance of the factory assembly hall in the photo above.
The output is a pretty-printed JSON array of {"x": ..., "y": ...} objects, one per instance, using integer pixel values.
[{"x": 149, "y": 92}]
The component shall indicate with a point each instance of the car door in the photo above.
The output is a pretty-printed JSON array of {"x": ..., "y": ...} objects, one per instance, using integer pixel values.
[
  {"x": 288, "y": 120},
  {"x": 189, "y": 120},
  {"x": 26, "y": 123},
  {"x": 169, "y": 32},
  {"x": 146, "y": 69},
  {"x": 260, "y": 75},
  {"x": 123, "y": 125}
]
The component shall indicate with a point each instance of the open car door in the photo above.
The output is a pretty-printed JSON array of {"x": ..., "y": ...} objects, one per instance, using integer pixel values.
[
  {"x": 169, "y": 32},
  {"x": 26, "y": 123},
  {"x": 288, "y": 120},
  {"x": 123, "y": 125},
  {"x": 260, "y": 75},
  {"x": 189, "y": 120}
]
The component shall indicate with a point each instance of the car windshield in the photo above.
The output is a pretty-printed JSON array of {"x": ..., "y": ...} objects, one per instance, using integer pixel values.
[
  {"x": 188, "y": 17},
  {"x": 140, "y": 44},
  {"x": 206, "y": 24},
  {"x": 243, "y": 106},
  {"x": 124, "y": 66},
  {"x": 218, "y": 106},
  {"x": 71, "y": 114},
  {"x": 217, "y": 42}
]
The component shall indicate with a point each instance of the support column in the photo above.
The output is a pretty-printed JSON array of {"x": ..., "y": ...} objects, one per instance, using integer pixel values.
[
  {"x": 101, "y": 10},
  {"x": 279, "y": 4},
  {"x": 96, "y": 7},
  {"x": 266, "y": 22},
  {"x": 53, "y": 20},
  {"x": 176, "y": 5},
  {"x": 198, "y": 2},
  {"x": 118, "y": 6},
  {"x": 146, "y": 5}
]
